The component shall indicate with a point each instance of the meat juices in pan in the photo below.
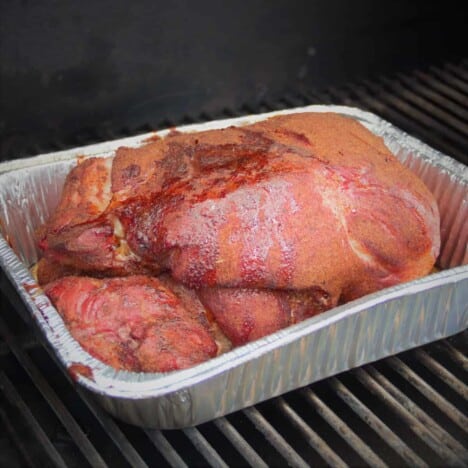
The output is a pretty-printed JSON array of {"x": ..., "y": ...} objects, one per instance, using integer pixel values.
[{"x": 268, "y": 224}]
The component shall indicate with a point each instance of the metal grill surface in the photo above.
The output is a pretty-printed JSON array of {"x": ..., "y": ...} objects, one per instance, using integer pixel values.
[{"x": 407, "y": 410}]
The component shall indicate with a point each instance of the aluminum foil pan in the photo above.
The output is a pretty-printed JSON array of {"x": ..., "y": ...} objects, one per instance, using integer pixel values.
[{"x": 353, "y": 334}]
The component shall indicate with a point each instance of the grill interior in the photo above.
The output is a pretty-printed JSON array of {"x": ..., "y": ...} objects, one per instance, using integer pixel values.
[{"x": 407, "y": 410}]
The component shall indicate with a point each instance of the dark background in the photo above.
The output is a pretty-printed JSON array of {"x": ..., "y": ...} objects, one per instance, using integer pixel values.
[{"x": 84, "y": 67}]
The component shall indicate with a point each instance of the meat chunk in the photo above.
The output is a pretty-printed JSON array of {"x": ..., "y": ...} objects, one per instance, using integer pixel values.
[
  {"x": 132, "y": 323},
  {"x": 191, "y": 301},
  {"x": 262, "y": 225},
  {"x": 245, "y": 315},
  {"x": 293, "y": 202}
]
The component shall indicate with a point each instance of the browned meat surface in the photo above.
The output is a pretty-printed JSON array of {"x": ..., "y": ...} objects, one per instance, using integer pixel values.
[
  {"x": 297, "y": 201},
  {"x": 248, "y": 314},
  {"x": 271, "y": 223},
  {"x": 132, "y": 323},
  {"x": 191, "y": 302}
]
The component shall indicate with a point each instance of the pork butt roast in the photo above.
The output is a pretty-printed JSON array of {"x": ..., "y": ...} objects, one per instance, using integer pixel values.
[{"x": 260, "y": 226}]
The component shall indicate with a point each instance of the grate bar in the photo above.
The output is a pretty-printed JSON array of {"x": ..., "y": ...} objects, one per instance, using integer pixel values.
[
  {"x": 455, "y": 355},
  {"x": 442, "y": 373},
  {"x": 359, "y": 98},
  {"x": 352, "y": 439},
  {"x": 314, "y": 440},
  {"x": 422, "y": 416},
  {"x": 166, "y": 449},
  {"x": 409, "y": 123},
  {"x": 18, "y": 441},
  {"x": 308, "y": 96},
  {"x": 422, "y": 102},
  {"x": 26, "y": 341},
  {"x": 294, "y": 99},
  {"x": 327, "y": 98},
  {"x": 106, "y": 422},
  {"x": 440, "y": 86},
  {"x": 450, "y": 79},
  {"x": 62, "y": 413},
  {"x": 264, "y": 106},
  {"x": 380, "y": 386},
  {"x": 434, "y": 96},
  {"x": 364, "y": 99},
  {"x": 376, "y": 424},
  {"x": 15, "y": 399},
  {"x": 243, "y": 447},
  {"x": 204, "y": 447},
  {"x": 113, "y": 431},
  {"x": 458, "y": 70},
  {"x": 416, "y": 426},
  {"x": 275, "y": 438},
  {"x": 383, "y": 109},
  {"x": 414, "y": 113},
  {"x": 446, "y": 407},
  {"x": 344, "y": 97}
]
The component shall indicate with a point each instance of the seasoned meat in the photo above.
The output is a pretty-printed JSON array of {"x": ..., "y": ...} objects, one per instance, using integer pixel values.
[
  {"x": 297, "y": 201},
  {"x": 191, "y": 302},
  {"x": 248, "y": 314},
  {"x": 132, "y": 323},
  {"x": 261, "y": 225}
]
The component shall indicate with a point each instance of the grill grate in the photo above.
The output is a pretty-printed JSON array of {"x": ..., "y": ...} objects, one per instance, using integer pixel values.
[{"x": 410, "y": 409}]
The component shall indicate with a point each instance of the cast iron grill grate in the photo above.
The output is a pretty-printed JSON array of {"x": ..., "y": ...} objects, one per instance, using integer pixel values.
[{"x": 407, "y": 410}]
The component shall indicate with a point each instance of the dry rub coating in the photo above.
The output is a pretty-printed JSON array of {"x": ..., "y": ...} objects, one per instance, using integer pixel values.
[{"x": 308, "y": 209}]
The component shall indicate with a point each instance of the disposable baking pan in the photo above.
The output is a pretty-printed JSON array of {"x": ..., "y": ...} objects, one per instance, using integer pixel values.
[{"x": 359, "y": 332}]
